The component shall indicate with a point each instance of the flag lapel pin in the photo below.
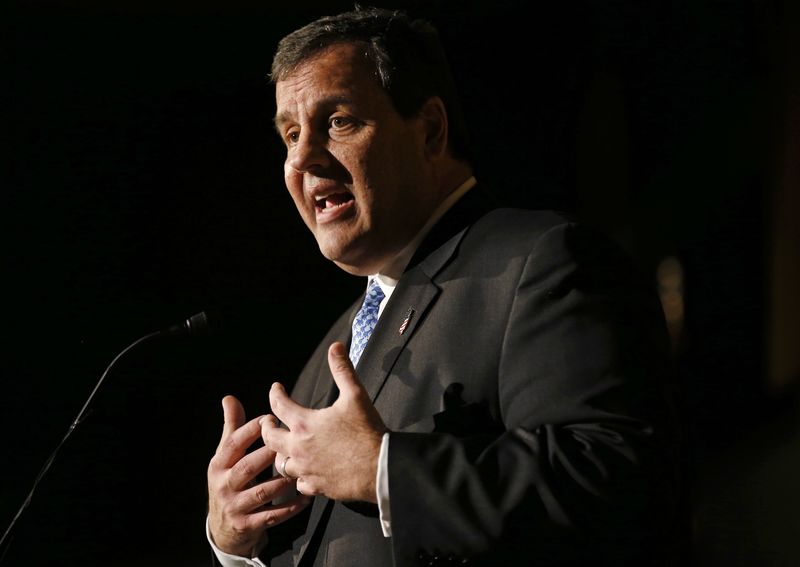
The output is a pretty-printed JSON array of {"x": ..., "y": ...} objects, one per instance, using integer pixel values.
[{"x": 406, "y": 321}]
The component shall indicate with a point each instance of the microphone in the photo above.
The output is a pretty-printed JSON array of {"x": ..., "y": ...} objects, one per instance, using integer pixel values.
[{"x": 195, "y": 326}]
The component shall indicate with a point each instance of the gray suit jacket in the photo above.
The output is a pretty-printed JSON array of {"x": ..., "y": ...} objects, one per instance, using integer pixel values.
[{"x": 526, "y": 399}]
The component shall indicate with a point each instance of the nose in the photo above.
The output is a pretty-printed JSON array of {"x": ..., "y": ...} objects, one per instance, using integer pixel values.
[{"x": 308, "y": 154}]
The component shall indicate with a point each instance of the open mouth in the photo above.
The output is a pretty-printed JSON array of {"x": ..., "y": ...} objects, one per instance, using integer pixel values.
[{"x": 333, "y": 201}]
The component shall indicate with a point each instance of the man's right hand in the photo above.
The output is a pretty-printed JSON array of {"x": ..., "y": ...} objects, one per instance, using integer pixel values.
[{"x": 239, "y": 510}]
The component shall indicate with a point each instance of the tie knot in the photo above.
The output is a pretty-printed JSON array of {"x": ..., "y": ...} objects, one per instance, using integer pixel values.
[{"x": 374, "y": 294}]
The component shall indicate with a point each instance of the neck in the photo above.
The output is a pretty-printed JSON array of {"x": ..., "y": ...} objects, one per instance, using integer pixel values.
[
  {"x": 395, "y": 266},
  {"x": 452, "y": 175}
]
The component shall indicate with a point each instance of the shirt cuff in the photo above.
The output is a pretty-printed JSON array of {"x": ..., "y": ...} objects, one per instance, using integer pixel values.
[
  {"x": 228, "y": 560},
  {"x": 382, "y": 488}
]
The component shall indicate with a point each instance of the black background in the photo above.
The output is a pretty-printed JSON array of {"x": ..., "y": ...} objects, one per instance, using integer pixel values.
[{"x": 143, "y": 183}]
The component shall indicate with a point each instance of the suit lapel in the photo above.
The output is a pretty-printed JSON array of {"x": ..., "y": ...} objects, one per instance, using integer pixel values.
[
  {"x": 417, "y": 291},
  {"x": 415, "y": 294},
  {"x": 410, "y": 300},
  {"x": 318, "y": 507}
]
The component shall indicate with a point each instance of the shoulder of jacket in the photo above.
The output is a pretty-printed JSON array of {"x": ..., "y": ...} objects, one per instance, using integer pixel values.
[{"x": 520, "y": 226}]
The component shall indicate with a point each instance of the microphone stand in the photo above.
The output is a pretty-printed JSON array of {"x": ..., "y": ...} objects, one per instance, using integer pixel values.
[{"x": 196, "y": 324}]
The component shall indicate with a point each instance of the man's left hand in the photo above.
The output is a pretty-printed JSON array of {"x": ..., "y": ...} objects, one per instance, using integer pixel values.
[{"x": 332, "y": 451}]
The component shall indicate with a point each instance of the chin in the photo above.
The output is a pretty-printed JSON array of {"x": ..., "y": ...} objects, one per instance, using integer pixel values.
[
  {"x": 357, "y": 255},
  {"x": 353, "y": 270},
  {"x": 351, "y": 263},
  {"x": 334, "y": 253}
]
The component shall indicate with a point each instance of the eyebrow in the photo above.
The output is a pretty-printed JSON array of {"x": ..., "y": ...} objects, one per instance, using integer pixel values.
[{"x": 326, "y": 103}]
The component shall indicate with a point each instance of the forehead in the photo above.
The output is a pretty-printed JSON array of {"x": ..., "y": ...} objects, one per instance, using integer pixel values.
[{"x": 340, "y": 73}]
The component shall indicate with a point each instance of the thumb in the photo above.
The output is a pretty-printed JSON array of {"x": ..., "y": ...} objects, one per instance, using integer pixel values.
[{"x": 342, "y": 369}]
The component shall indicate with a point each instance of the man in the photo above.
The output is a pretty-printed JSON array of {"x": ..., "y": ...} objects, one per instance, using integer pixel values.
[{"x": 507, "y": 407}]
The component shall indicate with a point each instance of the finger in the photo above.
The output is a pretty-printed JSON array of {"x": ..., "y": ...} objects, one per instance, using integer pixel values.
[
  {"x": 286, "y": 465},
  {"x": 233, "y": 415},
  {"x": 278, "y": 440},
  {"x": 249, "y": 467},
  {"x": 306, "y": 485},
  {"x": 267, "y": 425},
  {"x": 265, "y": 492},
  {"x": 273, "y": 515},
  {"x": 284, "y": 407},
  {"x": 342, "y": 369},
  {"x": 233, "y": 447}
]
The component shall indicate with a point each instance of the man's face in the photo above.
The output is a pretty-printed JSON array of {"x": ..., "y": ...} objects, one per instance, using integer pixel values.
[{"x": 357, "y": 170}]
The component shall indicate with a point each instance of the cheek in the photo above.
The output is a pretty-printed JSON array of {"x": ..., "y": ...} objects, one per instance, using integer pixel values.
[
  {"x": 372, "y": 170},
  {"x": 294, "y": 183}
]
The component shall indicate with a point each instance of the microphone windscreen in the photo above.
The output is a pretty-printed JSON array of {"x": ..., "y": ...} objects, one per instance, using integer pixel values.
[
  {"x": 197, "y": 325},
  {"x": 226, "y": 322}
]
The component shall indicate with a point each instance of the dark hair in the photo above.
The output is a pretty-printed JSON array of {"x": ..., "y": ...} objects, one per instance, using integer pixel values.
[{"x": 408, "y": 57}]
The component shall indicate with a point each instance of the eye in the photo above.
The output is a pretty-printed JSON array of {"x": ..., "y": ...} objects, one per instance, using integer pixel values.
[
  {"x": 292, "y": 136},
  {"x": 340, "y": 122}
]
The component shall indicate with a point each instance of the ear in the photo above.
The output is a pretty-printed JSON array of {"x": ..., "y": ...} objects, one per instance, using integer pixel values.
[{"x": 434, "y": 119}]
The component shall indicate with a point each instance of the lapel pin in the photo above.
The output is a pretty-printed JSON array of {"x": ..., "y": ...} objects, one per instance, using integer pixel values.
[{"x": 406, "y": 321}]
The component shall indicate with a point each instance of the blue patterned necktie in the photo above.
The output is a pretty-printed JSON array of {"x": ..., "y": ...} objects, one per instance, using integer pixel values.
[{"x": 365, "y": 321}]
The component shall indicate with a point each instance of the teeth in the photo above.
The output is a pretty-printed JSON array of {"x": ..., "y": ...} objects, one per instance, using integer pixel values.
[{"x": 326, "y": 203}]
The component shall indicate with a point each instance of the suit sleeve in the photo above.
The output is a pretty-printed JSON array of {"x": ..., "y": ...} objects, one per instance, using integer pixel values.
[{"x": 581, "y": 467}]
